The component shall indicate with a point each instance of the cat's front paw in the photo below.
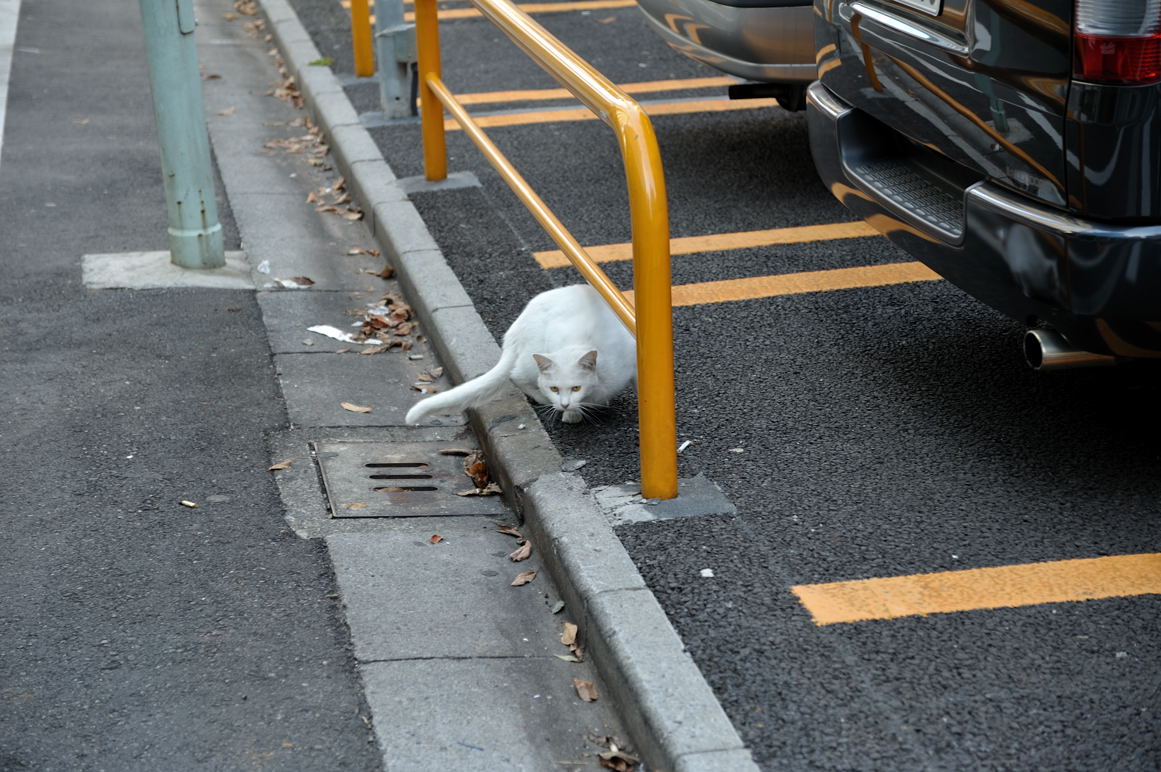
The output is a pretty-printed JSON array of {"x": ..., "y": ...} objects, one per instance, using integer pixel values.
[{"x": 572, "y": 417}]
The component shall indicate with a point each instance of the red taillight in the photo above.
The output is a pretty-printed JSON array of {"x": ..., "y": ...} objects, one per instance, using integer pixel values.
[
  {"x": 1131, "y": 61},
  {"x": 1117, "y": 41}
]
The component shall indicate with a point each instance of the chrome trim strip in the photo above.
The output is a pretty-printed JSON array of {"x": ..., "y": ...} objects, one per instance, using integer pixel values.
[
  {"x": 898, "y": 24},
  {"x": 1018, "y": 209}
]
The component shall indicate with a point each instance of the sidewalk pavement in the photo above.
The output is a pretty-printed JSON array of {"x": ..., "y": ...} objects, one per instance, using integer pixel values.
[{"x": 149, "y": 634}]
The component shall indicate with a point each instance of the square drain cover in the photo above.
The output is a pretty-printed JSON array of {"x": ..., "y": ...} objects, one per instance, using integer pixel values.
[{"x": 410, "y": 479}]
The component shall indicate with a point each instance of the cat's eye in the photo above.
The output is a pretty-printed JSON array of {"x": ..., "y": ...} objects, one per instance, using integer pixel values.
[
  {"x": 553, "y": 389},
  {"x": 576, "y": 388}
]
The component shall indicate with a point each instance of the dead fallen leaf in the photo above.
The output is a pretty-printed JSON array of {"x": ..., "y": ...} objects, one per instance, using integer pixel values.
[
  {"x": 491, "y": 489},
  {"x": 363, "y": 251},
  {"x": 568, "y": 634},
  {"x": 435, "y": 538},
  {"x": 522, "y": 552},
  {"x": 279, "y": 465},
  {"x": 476, "y": 468},
  {"x": 586, "y": 690},
  {"x": 523, "y": 579},
  {"x": 567, "y": 657},
  {"x": 607, "y": 20},
  {"x": 387, "y": 272},
  {"x": 357, "y": 505},
  {"x": 228, "y": 111},
  {"x": 617, "y": 759},
  {"x": 246, "y": 7},
  {"x": 355, "y": 408}
]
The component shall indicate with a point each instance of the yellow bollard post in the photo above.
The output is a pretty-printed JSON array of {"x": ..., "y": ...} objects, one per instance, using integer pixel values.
[
  {"x": 652, "y": 301},
  {"x": 361, "y": 41},
  {"x": 430, "y": 109}
]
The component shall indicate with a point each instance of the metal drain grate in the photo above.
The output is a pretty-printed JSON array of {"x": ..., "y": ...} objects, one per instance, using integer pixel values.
[{"x": 413, "y": 479}]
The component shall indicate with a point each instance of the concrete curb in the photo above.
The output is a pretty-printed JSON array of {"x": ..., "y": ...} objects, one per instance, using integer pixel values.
[{"x": 675, "y": 720}]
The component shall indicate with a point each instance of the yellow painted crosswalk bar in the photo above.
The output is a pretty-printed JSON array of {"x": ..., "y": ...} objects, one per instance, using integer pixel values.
[
  {"x": 719, "y": 242},
  {"x": 1031, "y": 584},
  {"x": 653, "y": 109},
  {"x": 758, "y": 287}
]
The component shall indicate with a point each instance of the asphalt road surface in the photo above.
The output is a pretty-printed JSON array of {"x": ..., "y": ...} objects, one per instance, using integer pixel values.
[{"x": 889, "y": 430}]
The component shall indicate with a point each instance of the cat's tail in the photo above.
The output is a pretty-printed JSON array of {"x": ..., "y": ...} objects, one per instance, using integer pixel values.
[{"x": 477, "y": 391}]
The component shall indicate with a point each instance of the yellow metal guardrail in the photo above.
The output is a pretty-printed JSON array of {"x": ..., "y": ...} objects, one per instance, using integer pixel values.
[
  {"x": 361, "y": 38},
  {"x": 650, "y": 315}
]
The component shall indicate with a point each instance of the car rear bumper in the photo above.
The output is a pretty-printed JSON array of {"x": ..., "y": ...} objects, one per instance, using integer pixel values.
[
  {"x": 773, "y": 44},
  {"x": 1099, "y": 284}
]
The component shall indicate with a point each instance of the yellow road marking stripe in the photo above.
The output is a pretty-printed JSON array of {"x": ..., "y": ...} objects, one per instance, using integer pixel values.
[
  {"x": 584, "y": 114},
  {"x": 644, "y": 87},
  {"x": 717, "y": 242},
  {"x": 982, "y": 588},
  {"x": 471, "y": 13},
  {"x": 756, "y": 287},
  {"x": 530, "y": 8}
]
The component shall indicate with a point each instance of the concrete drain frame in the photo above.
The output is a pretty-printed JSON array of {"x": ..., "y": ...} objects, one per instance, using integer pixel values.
[{"x": 399, "y": 479}]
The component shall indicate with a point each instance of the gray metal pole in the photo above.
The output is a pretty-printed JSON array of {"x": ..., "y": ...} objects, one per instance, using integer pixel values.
[
  {"x": 395, "y": 53},
  {"x": 195, "y": 234}
]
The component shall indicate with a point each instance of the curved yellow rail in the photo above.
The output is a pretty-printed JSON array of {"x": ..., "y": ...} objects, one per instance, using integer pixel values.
[{"x": 650, "y": 315}]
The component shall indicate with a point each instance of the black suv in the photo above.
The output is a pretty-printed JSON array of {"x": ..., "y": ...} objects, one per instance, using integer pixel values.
[{"x": 1014, "y": 146}]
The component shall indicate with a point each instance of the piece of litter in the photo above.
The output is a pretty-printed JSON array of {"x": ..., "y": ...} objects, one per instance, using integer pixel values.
[
  {"x": 737, "y": 450},
  {"x": 707, "y": 573},
  {"x": 684, "y": 445},
  {"x": 263, "y": 267},
  {"x": 558, "y": 607},
  {"x": 572, "y": 464},
  {"x": 522, "y": 426},
  {"x": 189, "y": 504},
  {"x": 332, "y": 332}
]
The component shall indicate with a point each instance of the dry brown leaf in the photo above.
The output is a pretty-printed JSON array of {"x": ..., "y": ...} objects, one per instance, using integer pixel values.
[
  {"x": 523, "y": 579},
  {"x": 586, "y": 690},
  {"x": 355, "y": 408},
  {"x": 522, "y": 552},
  {"x": 509, "y": 530},
  {"x": 568, "y": 634},
  {"x": 279, "y": 465},
  {"x": 476, "y": 468},
  {"x": 363, "y": 251},
  {"x": 491, "y": 489},
  {"x": 387, "y": 272},
  {"x": 357, "y": 505},
  {"x": 617, "y": 759},
  {"x": 373, "y": 350},
  {"x": 228, "y": 111},
  {"x": 435, "y": 538}
]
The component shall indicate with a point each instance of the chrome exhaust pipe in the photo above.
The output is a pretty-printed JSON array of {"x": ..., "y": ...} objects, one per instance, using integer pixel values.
[{"x": 1048, "y": 350}]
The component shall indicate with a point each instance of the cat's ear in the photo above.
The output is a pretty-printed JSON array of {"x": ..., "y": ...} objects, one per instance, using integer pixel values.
[
  {"x": 543, "y": 362},
  {"x": 588, "y": 361}
]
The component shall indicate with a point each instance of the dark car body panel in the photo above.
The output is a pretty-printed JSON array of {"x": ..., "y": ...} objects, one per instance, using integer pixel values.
[{"x": 964, "y": 138}]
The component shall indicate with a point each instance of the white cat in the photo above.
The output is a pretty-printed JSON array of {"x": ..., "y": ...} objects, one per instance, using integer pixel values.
[{"x": 567, "y": 350}]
